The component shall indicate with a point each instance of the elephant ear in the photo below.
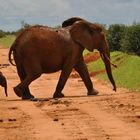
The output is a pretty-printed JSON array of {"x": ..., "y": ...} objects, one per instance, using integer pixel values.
[
  {"x": 71, "y": 21},
  {"x": 81, "y": 33}
]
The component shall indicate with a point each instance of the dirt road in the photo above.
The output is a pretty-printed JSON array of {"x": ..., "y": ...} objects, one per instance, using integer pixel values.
[{"x": 108, "y": 116}]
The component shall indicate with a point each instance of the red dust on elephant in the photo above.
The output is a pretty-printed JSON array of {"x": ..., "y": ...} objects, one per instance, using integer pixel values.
[{"x": 40, "y": 49}]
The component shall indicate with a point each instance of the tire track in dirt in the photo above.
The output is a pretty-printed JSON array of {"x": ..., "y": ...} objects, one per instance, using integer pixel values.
[
  {"x": 86, "y": 119},
  {"x": 14, "y": 123},
  {"x": 76, "y": 124},
  {"x": 43, "y": 126},
  {"x": 113, "y": 126}
]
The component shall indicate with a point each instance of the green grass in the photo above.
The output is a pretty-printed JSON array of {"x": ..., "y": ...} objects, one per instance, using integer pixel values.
[
  {"x": 7, "y": 41},
  {"x": 127, "y": 74}
]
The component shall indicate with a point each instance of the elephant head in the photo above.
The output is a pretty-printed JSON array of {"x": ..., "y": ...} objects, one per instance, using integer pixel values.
[
  {"x": 3, "y": 82},
  {"x": 91, "y": 36}
]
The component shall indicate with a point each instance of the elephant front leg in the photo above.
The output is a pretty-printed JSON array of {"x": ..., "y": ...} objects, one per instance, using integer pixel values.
[
  {"x": 62, "y": 81},
  {"x": 83, "y": 72}
]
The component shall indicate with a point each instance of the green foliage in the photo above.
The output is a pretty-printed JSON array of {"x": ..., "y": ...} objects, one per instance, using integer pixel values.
[
  {"x": 86, "y": 52},
  {"x": 2, "y": 33},
  {"x": 7, "y": 40},
  {"x": 131, "y": 41},
  {"x": 115, "y": 34},
  {"x": 24, "y": 26},
  {"x": 126, "y": 74},
  {"x": 124, "y": 38}
]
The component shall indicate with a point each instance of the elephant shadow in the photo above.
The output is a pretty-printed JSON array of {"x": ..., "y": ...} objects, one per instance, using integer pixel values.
[{"x": 51, "y": 98}]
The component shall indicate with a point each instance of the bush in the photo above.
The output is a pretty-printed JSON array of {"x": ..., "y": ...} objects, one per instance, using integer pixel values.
[
  {"x": 115, "y": 34},
  {"x": 131, "y": 41},
  {"x": 23, "y": 27},
  {"x": 2, "y": 33}
]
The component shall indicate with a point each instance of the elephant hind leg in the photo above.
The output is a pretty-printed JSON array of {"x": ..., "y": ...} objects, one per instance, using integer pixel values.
[
  {"x": 22, "y": 75},
  {"x": 26, "y": 77},
  {"x": 23, "y": 88}
]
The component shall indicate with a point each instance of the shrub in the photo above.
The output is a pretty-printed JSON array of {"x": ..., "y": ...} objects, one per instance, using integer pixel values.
[
  {"x": 23, "y": 27},
  {"x": 115, "y": 34},
  {"x": 2, "y": 33},
  {"x": 131, "y": 41}
]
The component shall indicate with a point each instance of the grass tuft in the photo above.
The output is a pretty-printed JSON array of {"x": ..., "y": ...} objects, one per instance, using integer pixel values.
[{"x": 7, "y": 41}]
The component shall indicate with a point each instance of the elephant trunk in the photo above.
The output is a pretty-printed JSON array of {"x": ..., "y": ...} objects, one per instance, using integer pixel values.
[
  {"x": 3, "y": 83},
  {"x": 105, "y": 55},
  {"x": 5, "y": 88}
]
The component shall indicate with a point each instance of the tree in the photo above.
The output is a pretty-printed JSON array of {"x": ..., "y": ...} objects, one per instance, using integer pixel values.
[
  {"x": 2, "y": 33},
  {"x": 131, "y": 41},
  {"x": 115, "y": 34},
  {"x": 24, "y": 25}
]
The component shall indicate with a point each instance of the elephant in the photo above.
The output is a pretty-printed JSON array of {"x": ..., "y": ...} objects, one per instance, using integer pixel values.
[
  {"x": 41, "y": 49},
  {"x": 3, "y": 82}
]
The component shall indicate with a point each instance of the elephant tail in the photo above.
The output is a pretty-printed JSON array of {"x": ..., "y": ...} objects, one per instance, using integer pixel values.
[{"x": 12, "y": 49}]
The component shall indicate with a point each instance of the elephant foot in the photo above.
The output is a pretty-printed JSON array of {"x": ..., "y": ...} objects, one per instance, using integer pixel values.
[
  {"x": 18, "y": 91},
  {"x": 27, "y": 96},
  {"x": 93, "y": 92},
  {"x": 58, "y": 95}
]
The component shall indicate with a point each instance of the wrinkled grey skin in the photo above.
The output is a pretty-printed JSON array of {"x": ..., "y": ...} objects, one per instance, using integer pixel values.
[{"x": 3, "y": 83}]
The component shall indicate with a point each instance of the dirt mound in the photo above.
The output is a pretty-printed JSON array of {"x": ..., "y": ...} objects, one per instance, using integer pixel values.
[
  {"x": 97, "y": 72},
  {"x": 91, "y": 57},
  {"x": 74, "y": 74},
  {"x": 88, "y": 58}
]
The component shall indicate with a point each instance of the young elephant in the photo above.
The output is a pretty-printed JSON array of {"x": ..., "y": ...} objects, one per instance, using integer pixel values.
[
  {"x": 3, "y": 82},
  {"x": 40, "y": 49}
]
